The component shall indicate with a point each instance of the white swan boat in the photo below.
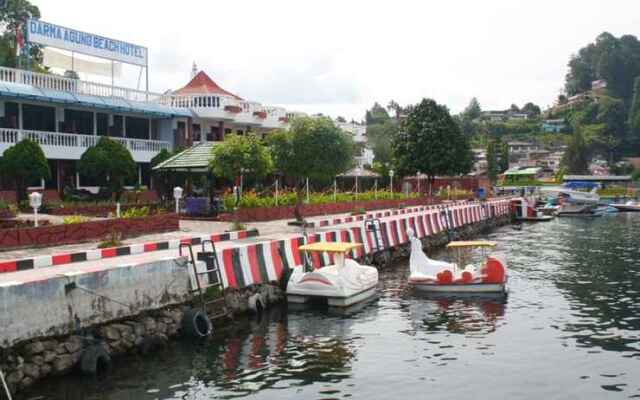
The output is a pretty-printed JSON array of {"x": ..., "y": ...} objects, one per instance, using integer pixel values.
[
  {"x": 341, "y": 285},
  {"x": 443, "y": 277}
]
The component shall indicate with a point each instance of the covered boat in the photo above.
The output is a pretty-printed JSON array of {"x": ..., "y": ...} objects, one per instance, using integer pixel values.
[
  {"x": 341, "y": 285},
  {"x": 525, "y": 210},
  {"x": 460, "y": 277}
]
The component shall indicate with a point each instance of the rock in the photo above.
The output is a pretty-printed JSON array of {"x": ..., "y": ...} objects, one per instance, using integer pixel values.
[
  {"x": 49, "y": 356},
  {"x": 31, "y": 370},
  {"x": 19, "y": 360},
  {"x": 161, "y": 327},
  {"x": 61, "y": 349},
  {"x": 177, "y": 316},
  {"x": 124, "y": 329},
  {"x": 33, "y": 348},
  {"x": 63, "y": 363},
  {"x": 73, "y": 344},
  {"x": 50, "y": 345},
  {"x": 38, "y": 360},
  {"x": 110, "y": 333},
  {"x": 26, "y": 382},
  {"x": 149, "y": 325},
  {"x": 15, "y": 377},
  {"x": 75, "y": 357},
  {"x": 45, "y": 370}
]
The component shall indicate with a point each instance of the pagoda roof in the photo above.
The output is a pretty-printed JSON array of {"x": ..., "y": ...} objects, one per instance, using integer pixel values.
[{"x": 203, "y": 84}]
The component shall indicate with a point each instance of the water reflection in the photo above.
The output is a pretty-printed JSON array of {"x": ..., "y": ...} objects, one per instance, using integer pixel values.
[{"x": 459, "y": 315}]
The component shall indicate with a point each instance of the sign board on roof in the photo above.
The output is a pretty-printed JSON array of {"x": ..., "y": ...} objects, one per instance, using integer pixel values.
[{"x": 47, "y": 34}]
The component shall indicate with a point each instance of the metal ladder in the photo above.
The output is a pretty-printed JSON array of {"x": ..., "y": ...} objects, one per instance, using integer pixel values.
[
  {"x": 215, "y": 307},
  {"x": 373, "y": 225}
]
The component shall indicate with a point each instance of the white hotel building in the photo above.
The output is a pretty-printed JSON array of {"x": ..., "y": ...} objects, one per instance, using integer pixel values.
[{"x": 67, "y": 116}]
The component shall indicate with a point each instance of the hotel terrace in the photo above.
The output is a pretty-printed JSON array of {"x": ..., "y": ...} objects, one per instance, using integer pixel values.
[{"x": 66, "y": 116}]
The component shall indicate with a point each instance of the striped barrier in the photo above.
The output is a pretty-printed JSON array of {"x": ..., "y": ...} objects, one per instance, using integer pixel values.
[
  {"x": 97, "y": 254},
  {"x": 250, "y": 264}
]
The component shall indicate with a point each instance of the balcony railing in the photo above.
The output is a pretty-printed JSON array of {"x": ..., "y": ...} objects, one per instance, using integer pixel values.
[
  {"x": 56, "y": 139},
  {"x": 61, "y": 83}
]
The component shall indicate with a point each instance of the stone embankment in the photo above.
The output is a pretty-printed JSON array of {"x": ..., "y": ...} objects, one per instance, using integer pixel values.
[{"x": 79, "y": 329}]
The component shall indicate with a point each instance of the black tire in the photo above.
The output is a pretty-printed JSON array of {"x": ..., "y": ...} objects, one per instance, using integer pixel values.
[
  {"x": 95, "y": 359},
  {"x": 196, "y": 324}
]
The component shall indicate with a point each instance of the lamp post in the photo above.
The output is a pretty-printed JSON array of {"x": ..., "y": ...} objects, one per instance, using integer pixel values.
[
  {"x": 35, "y": 201},
  {"x": 391, "y": 173},
  {"x": 177, "y": 195},
  {"x": 357, "y": 172}
]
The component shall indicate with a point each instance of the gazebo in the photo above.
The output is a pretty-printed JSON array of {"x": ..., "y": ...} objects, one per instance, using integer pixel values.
[{"x": 359, "y": 173}]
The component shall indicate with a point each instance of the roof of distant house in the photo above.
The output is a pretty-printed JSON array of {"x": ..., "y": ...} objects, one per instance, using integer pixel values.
[
  {"x": 203, "y": 84},
  {"x": 610, "y": 178},
  {"x": 522, "y": 171}
]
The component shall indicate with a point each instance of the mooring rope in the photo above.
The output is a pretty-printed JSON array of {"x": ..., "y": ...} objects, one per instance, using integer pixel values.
[{"x": 6, "y": 387}]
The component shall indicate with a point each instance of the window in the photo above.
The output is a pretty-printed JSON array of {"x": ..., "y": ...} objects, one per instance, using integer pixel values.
[
  {"x": 137, "y": 128},
  {"x": 10, "y": 119},
  {"x": 76, "y": 121},
  {"x": 103, "y": 124},
  {"x": 39, "y": 118},
  {"x": 117, "y": 129}
]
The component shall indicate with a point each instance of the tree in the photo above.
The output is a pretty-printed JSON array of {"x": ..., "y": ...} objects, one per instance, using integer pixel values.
[
  {"x": 531, "y": 110},
  {"x": 24, "y": 163},
  {"x": 376, "y": 115},
  {"x": 109, "y": 163},
  {"x": 163, "y": 179},
  {"x": 514, "y": 108},
  {"x": 492, "y": 161},
  {"x": 13, "y": 17},
  {"x": 430, "y": 142},
  {"x": 379, "y": 137},
  {"x": 562, "y": 99},
  {"x": 312, "y": 148},
  {"x": 576, "y": 159},
  {"x": 503, "y": 159},
  {"x": 341, "y": 119},
  {"x": 473, "y": 110},
  {"x": 240, "y": 155},
  {"x": 634, "y": 117},
  {"x": 395, "y": 107}
]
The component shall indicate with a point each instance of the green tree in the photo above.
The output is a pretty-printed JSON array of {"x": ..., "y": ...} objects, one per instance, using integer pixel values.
[
  {"x": 576, "y": 158},
  {"x": 13, "y": 16},
  {"x": 312, "y": 148},
  {"x": 379, "y": 137},
  {"x": 110, "y": 164},
  {"x": 503, "y": 159},
  {"x": 532, "y": 110},
  {"x": 634, "y": 118},
  {"x": 492, "y": 161},
  {"x": 473, "y": 110},
  {"x": 163, "y": 180},
  {"x": 377, "y": 115},
  {"x": 430, "y": 142},
  {"x": 240, "y": 155},
  {"x": 24, "y": 163}
]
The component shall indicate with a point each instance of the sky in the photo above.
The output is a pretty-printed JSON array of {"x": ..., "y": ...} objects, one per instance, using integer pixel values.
[{"x": 339, "y": 57}]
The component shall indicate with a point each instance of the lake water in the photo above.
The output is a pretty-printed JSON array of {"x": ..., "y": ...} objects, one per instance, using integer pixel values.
[{"x": 569, "y": 329}]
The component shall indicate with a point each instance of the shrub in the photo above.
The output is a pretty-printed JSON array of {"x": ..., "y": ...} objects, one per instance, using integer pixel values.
[
  {"x": 114, "y": 239},
  {"x": 74, "y": 219},
  {"x": 136, "y": 212}
]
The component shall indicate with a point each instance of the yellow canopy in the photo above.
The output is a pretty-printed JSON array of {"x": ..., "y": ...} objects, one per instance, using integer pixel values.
[
  {"x": 330, "y": 247},
  {"x": 472, "y": 243}
]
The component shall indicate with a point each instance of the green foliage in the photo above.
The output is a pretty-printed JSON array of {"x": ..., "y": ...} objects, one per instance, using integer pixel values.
[
  {"x": 532, "y": 110},
  {"x": 617, "y": 60},
  {"x": 492, "y": 161},
  {"x": 163, "y": 156},
  {"x": 636, "y": 175},
  {"x": 380, "y": 137},
  {"x": 74, "y": 219},
  {"x": 576, "y": 158},
  {"x": 377, "y": 114},
  {"x": 431, "y": 142},
  {"x": 110, "y": 163},
  {"x": 136, "y": 212},
  {"x": 24, "y": 163},
  {"x": 13, "y": 15},
  {"x": 238, "y": 154},
  {"x": 114, "y": 239},
  {"x": 503, "y": 159},
  {"x": 473, "y": 110},
  {"x": 238, "y": 226},
  {"x": 312, "y": 148},
  {"x": 288, "y": 198}
]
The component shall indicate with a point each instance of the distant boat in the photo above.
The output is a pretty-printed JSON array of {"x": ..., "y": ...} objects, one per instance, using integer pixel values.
[
  {"x": 575, "y": 203},
  {"x": 525, "y": 211},
  {"x": 629, "y": 206}
]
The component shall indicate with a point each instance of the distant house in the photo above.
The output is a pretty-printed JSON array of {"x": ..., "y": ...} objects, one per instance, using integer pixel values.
[
  {"x": 553, "y": 125},
  {"x": 502, "y": 116},
  {"x": 516, "y": 176},
  {"x": 600, "y": 84},
  {"x": 521, "y": 147}
]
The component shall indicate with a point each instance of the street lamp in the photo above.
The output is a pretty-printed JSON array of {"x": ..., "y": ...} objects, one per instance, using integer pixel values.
[
  {"x": 177, "y": 195},
  {"x": 391, "y": 173},
  {"x": 35, "y": 201}
]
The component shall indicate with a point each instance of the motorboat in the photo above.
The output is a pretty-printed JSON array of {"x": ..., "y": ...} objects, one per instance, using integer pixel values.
[
  {"x": 575, "y": 203},
  {"x": 341, "y": 284},
  {"x": 629, "y": 206},
  {"x": 525, "y": 211},
  {"x": 462, "y": 276}
]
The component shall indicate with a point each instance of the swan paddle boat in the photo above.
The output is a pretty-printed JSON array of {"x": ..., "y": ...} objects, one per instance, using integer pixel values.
[
  {"x": 435, "y": 276},
  {"x": 342, "y": 284}
]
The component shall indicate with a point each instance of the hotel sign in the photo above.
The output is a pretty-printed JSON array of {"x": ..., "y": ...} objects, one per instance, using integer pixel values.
[{"x": 47, "y": 34}]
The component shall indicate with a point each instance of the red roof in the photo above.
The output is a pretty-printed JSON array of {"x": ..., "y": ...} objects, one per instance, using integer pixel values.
[{"x": 201, "y": 83}]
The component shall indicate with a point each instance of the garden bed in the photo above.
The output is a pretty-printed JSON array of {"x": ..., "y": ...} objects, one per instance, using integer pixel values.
[
  {"x": 53, "y": 235},
  {"x": 309, "y": 210},
  {"x": 98, "y": 210}
]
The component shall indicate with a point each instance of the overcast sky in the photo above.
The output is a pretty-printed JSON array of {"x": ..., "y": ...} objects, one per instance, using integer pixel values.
[{"x": 338, "y": 57}]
